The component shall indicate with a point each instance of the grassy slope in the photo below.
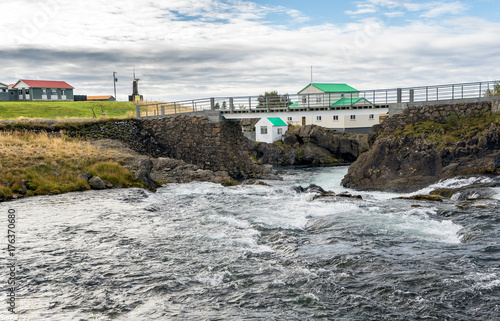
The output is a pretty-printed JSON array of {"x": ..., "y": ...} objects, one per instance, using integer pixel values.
[
  {"x": 453, "y": 130},
  {"x": 51, "y": 165},
  {"x": 64, "y": 109}
]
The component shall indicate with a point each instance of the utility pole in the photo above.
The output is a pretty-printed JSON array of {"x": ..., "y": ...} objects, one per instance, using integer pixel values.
[
  {"x": 115, "y": 80},
  {"x": 311, "y": 74}
]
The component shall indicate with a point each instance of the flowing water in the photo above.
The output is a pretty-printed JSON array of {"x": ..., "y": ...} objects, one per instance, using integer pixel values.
[{"x": 201, "y": 251}]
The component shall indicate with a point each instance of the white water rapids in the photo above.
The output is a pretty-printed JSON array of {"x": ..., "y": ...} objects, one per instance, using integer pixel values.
[{"x": 200, "y": 251}]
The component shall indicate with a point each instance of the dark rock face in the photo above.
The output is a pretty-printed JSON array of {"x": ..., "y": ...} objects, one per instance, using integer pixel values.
[
  {"x": 407, "y": 163},
  {"x": 311, "y": 144}
]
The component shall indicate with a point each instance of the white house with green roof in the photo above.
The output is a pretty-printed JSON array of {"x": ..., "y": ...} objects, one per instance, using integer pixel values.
[
  {"x": 334, "y": 106},
  {"x": 270, "y": 129},
  {"x": 319, "y": 94}
]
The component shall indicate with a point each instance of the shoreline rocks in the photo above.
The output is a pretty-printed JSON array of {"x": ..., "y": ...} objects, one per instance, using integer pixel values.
[
  {"x": 310, "y": 145},
  {"x": 400, "y": 159}
]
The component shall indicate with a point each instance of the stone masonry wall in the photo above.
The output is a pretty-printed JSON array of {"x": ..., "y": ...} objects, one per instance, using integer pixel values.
[{"x": 195, "y": 140}]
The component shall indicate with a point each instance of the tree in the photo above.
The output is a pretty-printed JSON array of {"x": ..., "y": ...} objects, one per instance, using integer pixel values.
[
  {"x": 493, "y": 92},
  {"x": 272, "y": 99},
  {"x": 217, "y": 106}
]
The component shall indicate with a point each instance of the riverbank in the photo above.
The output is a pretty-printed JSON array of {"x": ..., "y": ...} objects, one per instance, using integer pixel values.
[
  {"x": 54, "y": 157},
  {"x": 423, "y": 145},
  {"x": 44, "y": 163}
]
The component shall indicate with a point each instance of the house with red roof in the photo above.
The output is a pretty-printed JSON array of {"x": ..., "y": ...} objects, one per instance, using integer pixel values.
[{"x": 44, "y": 90}]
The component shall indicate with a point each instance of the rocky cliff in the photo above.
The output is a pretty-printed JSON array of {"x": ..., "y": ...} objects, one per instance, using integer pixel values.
[
  {"x": 311, "y": 145},
  {"x": 422, "y": 145}
]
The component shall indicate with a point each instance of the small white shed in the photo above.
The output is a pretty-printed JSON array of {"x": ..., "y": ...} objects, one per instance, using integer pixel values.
[{"x": 269, "y": 130}]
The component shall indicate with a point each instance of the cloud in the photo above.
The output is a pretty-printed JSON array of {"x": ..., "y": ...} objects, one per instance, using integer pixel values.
[
  {"x": 186, "y": 49},
  {"x": 435, "y": 9},
  {"x": 440, "y": 9}
]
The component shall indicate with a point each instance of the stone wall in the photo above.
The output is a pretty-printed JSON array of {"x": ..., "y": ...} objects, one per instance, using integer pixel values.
[{"x": 195, "y": 140}]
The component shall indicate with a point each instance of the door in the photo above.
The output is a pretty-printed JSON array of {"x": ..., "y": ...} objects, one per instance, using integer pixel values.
[{"x": 303, "y": 121}]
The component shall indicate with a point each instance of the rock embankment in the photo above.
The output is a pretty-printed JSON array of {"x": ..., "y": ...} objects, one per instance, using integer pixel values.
[
  {"x": 311, "y": 145},
  {"x": 423, "y": 145},
  {"x": 219, "y": 148}
]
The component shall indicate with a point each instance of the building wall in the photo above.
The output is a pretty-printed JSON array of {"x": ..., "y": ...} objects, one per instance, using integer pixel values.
[
  {"x": 272, "y": 131},
  {"x": 362, "y": 117},
  {"x": 38, "y": 94},
  {"x": 4, "y": 94}
]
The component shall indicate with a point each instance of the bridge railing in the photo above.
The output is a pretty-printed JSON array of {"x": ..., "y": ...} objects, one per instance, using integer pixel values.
[{"x": 363, "y": 98}]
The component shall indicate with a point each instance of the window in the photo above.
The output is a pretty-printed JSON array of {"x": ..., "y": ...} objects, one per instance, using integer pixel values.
[
  {"x": 289, "y": 118},
  {"x": 335, "y": 117},
  {"x": 280, "y": 131},
  {"x": 371, "y": 117},
  {"x": 4, "y": 90},
  {"x": 263, "y": 130},
  {"x": 304, "y": 100},
  {"x": 342, "y": 96},
  {"x": 353, "y": 117},
  {"x": 318, "y": 99},
  {"x": 318, "y": 118},
  {"x": 44, "y": 91},
  {"x": 27, "y": 91},
  {"x": 54, "y": 92},
  {"x": 63, "y": 92}
]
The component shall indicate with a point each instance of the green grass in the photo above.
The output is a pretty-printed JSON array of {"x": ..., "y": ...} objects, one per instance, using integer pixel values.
[
  {"x": 453, "y": 129},
  {"x": 64, "y": 109},
  {"x": 40, "y": 164}
]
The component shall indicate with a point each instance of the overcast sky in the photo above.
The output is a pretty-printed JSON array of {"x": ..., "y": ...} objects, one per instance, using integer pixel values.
[{"x": 188, "y": 49}]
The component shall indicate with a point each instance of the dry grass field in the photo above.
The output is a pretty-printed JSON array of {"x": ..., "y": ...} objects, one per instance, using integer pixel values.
[{"x": 46, "y": 164}]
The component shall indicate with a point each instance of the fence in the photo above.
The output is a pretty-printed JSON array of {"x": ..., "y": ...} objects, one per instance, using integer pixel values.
[{"x": 338, "y": 100}]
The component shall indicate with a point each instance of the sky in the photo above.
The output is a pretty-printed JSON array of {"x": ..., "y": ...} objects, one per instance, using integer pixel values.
[{"x": 191, "y": 49}]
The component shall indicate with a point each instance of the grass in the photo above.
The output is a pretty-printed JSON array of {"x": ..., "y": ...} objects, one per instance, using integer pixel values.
[
  {"x": 41, "y": 164},
  {"x": 452, "y": 130},
  {"x": 65, "y": 109}
]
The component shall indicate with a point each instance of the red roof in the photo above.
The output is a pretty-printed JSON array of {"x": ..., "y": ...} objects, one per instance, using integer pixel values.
[{"x": 46, "y": 84}]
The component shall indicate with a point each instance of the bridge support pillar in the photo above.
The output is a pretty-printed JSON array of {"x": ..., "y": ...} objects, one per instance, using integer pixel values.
[{"x": 400, "y": 95}]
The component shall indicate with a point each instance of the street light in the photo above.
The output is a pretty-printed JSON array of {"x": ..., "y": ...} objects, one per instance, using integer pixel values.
[{"x": 115, "y": 80}]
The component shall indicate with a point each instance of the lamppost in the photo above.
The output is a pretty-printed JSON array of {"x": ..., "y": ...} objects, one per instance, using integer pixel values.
[{"x": 115, "y": 80}]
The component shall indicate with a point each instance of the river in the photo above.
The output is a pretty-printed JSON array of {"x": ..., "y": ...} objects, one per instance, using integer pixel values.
[{"x": 200, "y": 251}]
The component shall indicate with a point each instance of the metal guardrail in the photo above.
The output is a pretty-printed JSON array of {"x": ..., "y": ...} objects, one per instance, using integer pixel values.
[{"x": 374, "y": 98}]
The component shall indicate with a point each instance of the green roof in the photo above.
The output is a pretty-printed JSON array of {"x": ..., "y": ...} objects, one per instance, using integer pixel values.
[
  {"x": 295, "y": 104},
  {"x": 333, "y": 88},
  {"x": 349, "y": 101},
  {"x": 276, "y": 121}
]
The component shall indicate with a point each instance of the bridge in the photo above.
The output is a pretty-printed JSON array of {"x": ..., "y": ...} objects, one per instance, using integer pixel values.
[{"x": 380, "y": 101}]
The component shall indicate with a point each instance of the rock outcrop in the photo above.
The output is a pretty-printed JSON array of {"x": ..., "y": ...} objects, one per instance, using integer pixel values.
[
  {"x": 311, "y": 145},
  {"x": 425, "y": 144}
]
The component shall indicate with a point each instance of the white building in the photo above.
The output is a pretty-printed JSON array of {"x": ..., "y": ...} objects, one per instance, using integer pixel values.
[
  {"x": 319, "y": 95},
  {"x": 333, "y": 106},
  {"x": 270, "y": 129}
]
